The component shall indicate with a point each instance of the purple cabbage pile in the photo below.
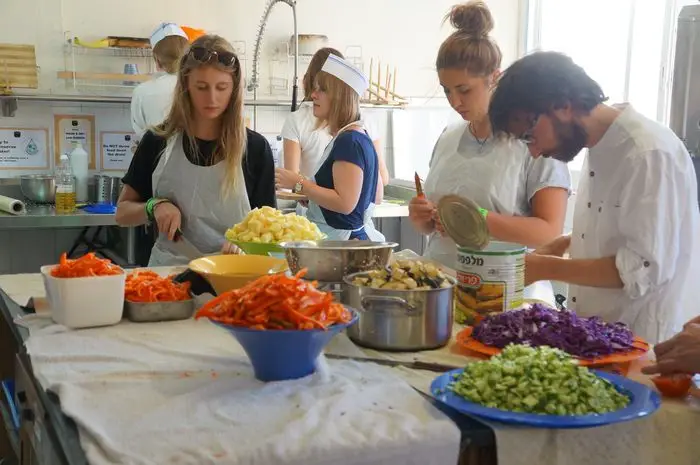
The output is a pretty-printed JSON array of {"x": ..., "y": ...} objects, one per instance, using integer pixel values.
[{"x": 540, "y": 325}]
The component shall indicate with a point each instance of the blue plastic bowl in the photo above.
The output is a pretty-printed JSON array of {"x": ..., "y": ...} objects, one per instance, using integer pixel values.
[{"x": 278, "y": 355}]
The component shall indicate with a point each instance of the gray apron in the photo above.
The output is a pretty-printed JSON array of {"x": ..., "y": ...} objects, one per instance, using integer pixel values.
[
  {"x": 196, "y": 191},
  {"x": 315, "y": 215}
]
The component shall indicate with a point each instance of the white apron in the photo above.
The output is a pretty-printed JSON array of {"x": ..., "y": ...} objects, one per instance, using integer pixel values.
[
  {"x": 315, "y": 215},
  {"x": 195, "y": 190},
  {"x": 490, "y": 175}
]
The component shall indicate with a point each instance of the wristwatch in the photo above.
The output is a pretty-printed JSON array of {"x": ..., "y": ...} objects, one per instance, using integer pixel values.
[{"x": 299, "y": 185}]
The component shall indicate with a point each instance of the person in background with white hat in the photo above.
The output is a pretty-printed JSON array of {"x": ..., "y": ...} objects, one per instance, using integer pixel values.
[
  {"x": 305, "y": 137},
  {"x": 343, "y": 192},
  {"x": 152, "y": 100}
]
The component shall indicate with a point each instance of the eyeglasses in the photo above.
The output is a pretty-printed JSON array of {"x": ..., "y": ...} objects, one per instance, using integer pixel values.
[{"x": 204, "y": 55}]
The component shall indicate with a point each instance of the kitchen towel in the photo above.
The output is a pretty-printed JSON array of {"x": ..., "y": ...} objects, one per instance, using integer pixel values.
[
  {"x": 184, "y": 392},
  {"x": 12, "y": 206}
]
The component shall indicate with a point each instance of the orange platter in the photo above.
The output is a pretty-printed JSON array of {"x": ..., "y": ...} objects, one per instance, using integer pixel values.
[{"x": 641, "y": 347}]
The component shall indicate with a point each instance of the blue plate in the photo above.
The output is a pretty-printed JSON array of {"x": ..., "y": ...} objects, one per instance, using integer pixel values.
[
  {"x": 101, "y": 209},
  {"x": 644, "y": 401}
]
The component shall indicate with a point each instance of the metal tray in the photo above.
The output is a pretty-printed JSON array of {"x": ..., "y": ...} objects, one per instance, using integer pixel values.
[{"x": 148, "y": 312}]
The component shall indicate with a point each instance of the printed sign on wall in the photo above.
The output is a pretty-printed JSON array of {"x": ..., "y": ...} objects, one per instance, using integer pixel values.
[
  {"x": 116, "y": 150},
  {"x": 24, "y": 149},
  {"x": 71, "y": 128}
]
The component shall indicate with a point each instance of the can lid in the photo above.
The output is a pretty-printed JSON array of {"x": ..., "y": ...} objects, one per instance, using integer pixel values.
[{"x": 463, "y": 222}]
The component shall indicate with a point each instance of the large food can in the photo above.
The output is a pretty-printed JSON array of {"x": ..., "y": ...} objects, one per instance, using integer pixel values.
[{"x": 489, "y": 280}]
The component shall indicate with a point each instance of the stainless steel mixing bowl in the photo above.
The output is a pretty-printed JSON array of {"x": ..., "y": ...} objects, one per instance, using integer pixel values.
[
  {"x": 39, "y": 188},
  {"x": 330, "y": 261}
]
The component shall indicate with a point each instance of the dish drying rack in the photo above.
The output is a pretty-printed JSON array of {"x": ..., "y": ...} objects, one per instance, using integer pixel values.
[{"x": 382, "y": 87}]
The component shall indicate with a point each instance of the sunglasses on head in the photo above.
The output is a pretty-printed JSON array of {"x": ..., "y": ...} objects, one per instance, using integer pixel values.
[{"x": 204, "y": 55}]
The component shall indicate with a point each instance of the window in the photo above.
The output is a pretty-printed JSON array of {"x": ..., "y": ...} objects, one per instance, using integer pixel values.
[{"x": 622, "y": 44}]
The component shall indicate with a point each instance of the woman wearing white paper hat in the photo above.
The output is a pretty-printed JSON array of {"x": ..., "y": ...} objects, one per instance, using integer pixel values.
[
  {"x": 343, "y": 191},
  {"x": 305, "y": 137},
  {"x": 152, "y": 100}
]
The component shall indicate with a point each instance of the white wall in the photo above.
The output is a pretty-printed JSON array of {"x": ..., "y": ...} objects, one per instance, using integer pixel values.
[{"x": 402, "y": 33}]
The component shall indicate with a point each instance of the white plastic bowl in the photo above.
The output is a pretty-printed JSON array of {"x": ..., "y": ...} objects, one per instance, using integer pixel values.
[{"x": 85, "y": 302}]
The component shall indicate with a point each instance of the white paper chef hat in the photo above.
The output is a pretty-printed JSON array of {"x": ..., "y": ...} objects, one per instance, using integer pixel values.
[
  {"x": 166, "y": 30},
  {"x": 346, "y": 72}
]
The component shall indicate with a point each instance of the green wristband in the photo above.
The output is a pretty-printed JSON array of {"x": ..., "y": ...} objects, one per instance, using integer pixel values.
[
  {"x": 483, "y": 212},
  {"x": 151, "y": 206}
]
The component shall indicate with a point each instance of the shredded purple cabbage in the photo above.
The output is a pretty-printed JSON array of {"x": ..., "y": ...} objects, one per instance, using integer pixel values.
[{"x": 540, "y": 325}]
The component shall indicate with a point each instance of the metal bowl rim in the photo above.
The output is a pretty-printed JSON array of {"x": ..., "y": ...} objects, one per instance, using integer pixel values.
[
  {"x": 348, "y": 280},
  {"x": 314, "y": 245}
]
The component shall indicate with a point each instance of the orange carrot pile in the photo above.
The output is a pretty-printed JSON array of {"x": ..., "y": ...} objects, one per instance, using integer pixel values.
[
  {"x": 149, "y": 286},
  {"x": 86, "y": 266},
  {"x": 276, "y": 301}
]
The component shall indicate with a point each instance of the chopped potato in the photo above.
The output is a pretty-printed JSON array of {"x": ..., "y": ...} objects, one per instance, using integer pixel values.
[
  {"x": 270, "y": 226},
  {"x": 405, "y": 275}
]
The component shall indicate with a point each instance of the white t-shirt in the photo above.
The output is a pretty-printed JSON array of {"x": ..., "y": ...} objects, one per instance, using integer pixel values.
[
  {"x": 637, "y": 201},
  {"x": 151, "y": 102},
  {"x": 300, "y": 127}
]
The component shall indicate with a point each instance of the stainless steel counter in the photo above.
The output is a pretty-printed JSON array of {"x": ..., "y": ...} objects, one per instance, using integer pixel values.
[{"x": 45, "y": 217}]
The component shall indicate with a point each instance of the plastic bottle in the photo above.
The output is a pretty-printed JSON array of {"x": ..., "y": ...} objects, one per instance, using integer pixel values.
[
  {"x": 65, "y": 187},
  {"x": 280, "y": 152},
  {"x": 79, "y": 164}
]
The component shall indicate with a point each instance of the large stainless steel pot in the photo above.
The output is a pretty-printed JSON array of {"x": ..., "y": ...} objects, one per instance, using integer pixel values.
[
  {"x": 400, "y": 320},
  {"x": 330, "y": 261}
]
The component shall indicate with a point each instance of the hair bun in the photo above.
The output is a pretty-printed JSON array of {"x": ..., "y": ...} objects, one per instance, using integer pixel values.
[{"x": 473, "y": 18}]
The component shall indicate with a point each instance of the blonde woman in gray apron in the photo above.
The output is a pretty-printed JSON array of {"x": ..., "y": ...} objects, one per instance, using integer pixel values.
[
  {"x": 346, "y": 184},
  {"x": 202, "y": 170},
  {"x": 525, "y": 198}
]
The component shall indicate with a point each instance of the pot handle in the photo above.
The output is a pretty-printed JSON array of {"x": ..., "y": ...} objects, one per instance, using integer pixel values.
[{"x": 385, "y": 304}]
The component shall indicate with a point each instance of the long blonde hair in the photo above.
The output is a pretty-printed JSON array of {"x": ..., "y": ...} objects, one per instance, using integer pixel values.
[
  {"x": 345, "y": 103},
  {"x": 231, "y": 145}
]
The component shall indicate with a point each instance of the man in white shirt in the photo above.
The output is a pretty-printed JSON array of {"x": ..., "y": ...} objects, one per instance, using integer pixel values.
[{"x": 634, "y": 248}]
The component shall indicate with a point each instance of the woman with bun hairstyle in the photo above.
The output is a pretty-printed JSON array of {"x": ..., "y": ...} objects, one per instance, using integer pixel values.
[{"x": 524, "y": 199}]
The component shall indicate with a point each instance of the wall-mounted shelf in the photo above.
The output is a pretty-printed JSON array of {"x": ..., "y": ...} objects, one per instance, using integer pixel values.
[
  {"x": 123, "y": 81},
  {"x": 118, "y": 99},
  {"x": 124, "y": 52}
]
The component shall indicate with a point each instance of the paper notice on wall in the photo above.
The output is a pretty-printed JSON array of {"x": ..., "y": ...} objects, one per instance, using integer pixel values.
[
  {"x": 24, "y": 149},
  {"x": 74, "y": 128},
  {"x": 116, "y": 150}
]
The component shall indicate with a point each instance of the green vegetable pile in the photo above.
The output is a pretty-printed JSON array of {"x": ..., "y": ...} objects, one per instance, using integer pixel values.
[{"x": 538, "y": 380}]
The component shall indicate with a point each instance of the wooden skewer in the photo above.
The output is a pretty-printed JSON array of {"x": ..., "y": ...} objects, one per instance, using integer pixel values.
[
  {"x": 378, "y": 96},
  {"x": 393, "y": 86},
  {"x": 371, "y": 67},
  {"x": 391, "y": 93},
  {"x": 388, "y": 80},
  {"x": 379, "y": 76}
]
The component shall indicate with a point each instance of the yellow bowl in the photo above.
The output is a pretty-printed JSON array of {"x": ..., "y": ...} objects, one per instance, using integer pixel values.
[{"x": 226, "y": 272}]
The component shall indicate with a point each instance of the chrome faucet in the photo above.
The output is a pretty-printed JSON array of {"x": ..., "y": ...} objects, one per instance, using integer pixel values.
[{"x": 254, "y": 81}]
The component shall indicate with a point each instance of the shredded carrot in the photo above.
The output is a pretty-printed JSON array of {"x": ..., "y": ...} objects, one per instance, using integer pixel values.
[
  {"x": 149, "y": 286},
  {"x": 86, "y": 266},
  {"x": 276, "y": 301}
]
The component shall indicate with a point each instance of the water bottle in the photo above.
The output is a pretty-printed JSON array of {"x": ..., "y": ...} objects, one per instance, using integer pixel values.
[
  {"x": 65, "y": 187},
  {"x": 280, "y": 152},
  {"x": 79, "y": 164}
]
